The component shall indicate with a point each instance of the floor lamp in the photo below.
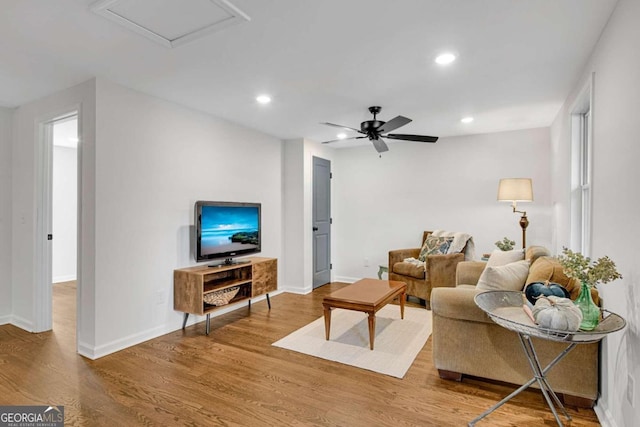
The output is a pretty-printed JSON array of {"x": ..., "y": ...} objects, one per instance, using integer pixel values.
[{"x": 516, "y": 190}]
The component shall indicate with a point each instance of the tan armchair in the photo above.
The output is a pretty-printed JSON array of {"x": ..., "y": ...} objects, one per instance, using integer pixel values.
[{"x": 439, "y": 271}]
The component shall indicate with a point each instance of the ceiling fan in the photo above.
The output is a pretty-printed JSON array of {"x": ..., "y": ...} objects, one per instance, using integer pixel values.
[{"x": 374, "y": 130}]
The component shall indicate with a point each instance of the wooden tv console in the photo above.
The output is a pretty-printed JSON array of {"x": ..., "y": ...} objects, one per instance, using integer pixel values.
[{"x": 256, "y": 277}]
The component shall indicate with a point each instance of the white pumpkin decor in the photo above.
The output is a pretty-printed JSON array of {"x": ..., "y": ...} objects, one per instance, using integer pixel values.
[{"x": 557, "y": 313}]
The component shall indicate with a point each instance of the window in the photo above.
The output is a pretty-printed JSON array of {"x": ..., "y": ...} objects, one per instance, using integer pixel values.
[
  {"x": 585, "y": 183},
  {"x": 581, "y": 184}
]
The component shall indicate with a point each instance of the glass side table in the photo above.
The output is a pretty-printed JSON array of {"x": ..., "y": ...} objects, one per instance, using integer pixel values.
[{"x": 505, "y": 309}]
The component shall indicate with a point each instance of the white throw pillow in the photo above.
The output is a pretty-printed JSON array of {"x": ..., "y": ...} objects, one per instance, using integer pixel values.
[
  {"x": 499, "y": 257},
  {"x": 510, "y": 277}
]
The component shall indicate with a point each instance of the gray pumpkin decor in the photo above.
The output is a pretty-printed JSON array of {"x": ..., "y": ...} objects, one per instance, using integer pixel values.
[{"x": 560, "y": 314}]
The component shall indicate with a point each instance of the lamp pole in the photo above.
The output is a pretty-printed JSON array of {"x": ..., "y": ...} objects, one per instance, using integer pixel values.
[{"x": 524, "y": 222}]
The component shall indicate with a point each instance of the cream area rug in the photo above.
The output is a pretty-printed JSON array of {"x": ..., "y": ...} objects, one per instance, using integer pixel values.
[{"x": 397, "y": 342}]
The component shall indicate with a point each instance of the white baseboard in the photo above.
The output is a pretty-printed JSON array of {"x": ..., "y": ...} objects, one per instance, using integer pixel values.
[
  {"x": 604, "y": 415},
  {"x": 5, "y": 320},
  {"x": 67, "y": 278},
  {"x": 22, "y": 323},
  {"x": 96, "y": 352},
  {"x": 122, "y": 343},
  {"x": 303, "y": 291},
  {"x": 346, "y": 279},
  {"x": 85, "y": 350}
]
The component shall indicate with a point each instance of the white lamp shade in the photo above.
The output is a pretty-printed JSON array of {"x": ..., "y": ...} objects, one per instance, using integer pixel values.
[{"x": 515, "y": 190}]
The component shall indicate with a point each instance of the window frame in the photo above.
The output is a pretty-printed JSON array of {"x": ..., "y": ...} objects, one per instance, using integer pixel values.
[{"x": 581, "y": 189}]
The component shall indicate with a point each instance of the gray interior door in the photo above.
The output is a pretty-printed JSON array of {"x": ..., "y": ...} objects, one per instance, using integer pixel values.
[{"x": 321, "y": 221}]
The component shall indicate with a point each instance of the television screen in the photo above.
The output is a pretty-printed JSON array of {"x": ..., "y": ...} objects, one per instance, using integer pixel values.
[{"x": 225, "y": 229}]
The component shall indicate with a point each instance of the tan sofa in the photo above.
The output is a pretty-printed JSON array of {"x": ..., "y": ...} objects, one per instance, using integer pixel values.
[
  {"x": 439, "y": 270},
  {"x": 467, "y": 342}
]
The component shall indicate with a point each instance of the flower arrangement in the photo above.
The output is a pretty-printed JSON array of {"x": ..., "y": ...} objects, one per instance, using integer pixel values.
[
  {"x": 577, "y": 266},
  {"x": 505, "y": 244}
]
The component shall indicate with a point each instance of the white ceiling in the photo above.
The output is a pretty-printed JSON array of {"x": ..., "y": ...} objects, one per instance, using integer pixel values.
[{"x": 323, "y": 61}]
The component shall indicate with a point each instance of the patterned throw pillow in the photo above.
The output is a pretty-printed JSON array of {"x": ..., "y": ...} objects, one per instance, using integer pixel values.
[{"x": 435, "y": 246}]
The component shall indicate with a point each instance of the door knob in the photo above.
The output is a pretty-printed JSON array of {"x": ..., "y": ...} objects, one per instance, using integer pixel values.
[{"x": 315, "y": 228}]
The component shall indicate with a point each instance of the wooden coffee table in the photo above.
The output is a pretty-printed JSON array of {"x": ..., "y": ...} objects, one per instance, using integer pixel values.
[{"x": 366, "y": 295}]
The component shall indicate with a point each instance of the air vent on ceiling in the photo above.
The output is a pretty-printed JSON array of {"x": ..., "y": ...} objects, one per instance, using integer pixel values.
[{"x": 171, "y": 22}]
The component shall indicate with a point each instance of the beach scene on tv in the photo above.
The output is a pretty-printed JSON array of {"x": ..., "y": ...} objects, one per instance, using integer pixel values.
[{"x": 228, "y": 229}]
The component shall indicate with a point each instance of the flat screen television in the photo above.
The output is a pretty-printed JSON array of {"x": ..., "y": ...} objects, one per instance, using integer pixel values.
[{"x": 226, "y": 230}]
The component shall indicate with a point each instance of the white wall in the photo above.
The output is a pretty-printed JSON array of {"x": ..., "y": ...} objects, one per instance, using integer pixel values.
[
  {"x": 298, "y": 194},
  {"x": 5, "y": 215},
  {"x": 385, "y": 203},
  {"x": 65, "y": 218},
  {"x": 25, "y": 171},
  {"x": 293, "y": 210},
  {"x": 616, "y": 200},
  {"x": 155, "y": 160},
  {"x": 143, "y": 165}
]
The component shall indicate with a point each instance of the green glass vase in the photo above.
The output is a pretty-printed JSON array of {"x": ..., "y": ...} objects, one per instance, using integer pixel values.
[{"x": 590, "y": 311}]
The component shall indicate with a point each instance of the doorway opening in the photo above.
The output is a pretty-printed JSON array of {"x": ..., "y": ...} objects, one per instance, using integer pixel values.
[
  {"x": 43, "y": 275},
  {"x": 64, "y": 220}
]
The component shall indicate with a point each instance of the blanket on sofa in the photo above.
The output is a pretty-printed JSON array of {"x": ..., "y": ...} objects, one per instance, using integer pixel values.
[{"x": 460, "y": 241}]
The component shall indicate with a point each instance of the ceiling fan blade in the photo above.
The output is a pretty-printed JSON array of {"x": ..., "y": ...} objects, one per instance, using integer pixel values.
[
  {"x": 379, "y": 145},
  {"x": 392, "y": 124},
  {"x": 340, "y": 126},
  {"x": 417, "y": 138},
  {"x": 342, "y": 139}
]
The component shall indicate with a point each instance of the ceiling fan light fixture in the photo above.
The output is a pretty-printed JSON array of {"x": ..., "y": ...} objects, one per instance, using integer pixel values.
[
  {"x": 263, "y": 99},
  {"x": 466, "y": 119},
  {"x": 445, "y": 58},
  {"x": 375, "y": 130}
]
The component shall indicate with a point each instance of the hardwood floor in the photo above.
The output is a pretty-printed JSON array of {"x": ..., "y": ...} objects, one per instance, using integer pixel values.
[{"x": 234, "y": 377}]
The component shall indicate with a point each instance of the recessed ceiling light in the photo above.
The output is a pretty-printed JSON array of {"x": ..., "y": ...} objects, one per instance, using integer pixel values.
[
  {"x": 467, "y": 120},
  {"x": 341, "y": 135},
  {"x": 445, "y": 58},
  {"x": 263, "y": 99}
]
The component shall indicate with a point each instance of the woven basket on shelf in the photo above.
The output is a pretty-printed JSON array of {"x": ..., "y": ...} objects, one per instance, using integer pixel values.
[{"x": 221, "y": 297}]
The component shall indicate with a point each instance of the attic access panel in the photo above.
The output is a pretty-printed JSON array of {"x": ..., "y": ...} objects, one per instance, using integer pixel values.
[{"x": 171, "y": 22}]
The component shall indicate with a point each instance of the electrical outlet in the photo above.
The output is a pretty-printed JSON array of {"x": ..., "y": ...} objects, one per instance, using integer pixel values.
[
  {"x": 631, "y": 383},
  {"x": 366, "y": 262}
]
